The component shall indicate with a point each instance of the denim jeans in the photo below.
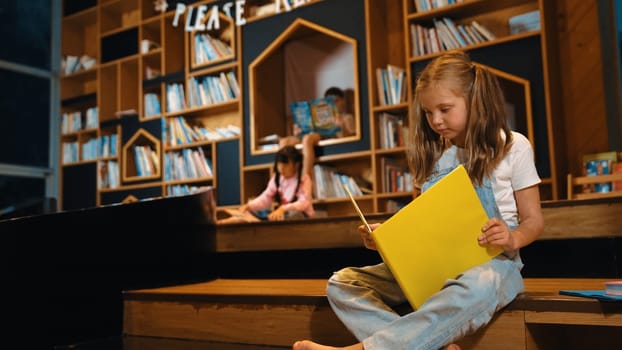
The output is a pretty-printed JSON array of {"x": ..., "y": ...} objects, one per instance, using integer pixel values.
[{"x": 363, "y": 298}]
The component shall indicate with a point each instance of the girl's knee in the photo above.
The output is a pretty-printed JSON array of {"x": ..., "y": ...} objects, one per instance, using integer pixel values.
[
  {"x": 344, "y": 275},
  {"x": 338, "y": 279}
]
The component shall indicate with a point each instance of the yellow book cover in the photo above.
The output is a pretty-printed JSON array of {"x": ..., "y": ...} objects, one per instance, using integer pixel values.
[{"x": 434, "y": 237}]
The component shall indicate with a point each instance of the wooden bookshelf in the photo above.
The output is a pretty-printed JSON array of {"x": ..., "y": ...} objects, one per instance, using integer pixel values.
[
  {"x": 139, "y": 52},
  {"x": 520, "y": 59}
]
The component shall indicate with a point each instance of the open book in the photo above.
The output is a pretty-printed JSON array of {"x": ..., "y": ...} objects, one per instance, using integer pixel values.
[
  {"x": 234, "y": 216},
  {"x": 317, "y": 115},
  {"x": 434, "y": 237}
]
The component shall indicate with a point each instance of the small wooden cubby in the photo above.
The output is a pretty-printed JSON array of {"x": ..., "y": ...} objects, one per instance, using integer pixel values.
[
  {"x": 268, "y": 76},
  {"x": 151, "y": 161},
  {"x": 212, "y": 45}
]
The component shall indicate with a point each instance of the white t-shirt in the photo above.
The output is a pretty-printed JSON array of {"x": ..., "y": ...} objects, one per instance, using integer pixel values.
[{"x": 515, "y": 172}]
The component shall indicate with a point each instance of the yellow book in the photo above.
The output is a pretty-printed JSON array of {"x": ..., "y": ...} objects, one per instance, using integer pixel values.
[{"x": 434, "y": 237}]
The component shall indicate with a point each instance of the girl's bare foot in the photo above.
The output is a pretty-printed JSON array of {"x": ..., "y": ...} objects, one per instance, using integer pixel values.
[{"x": 309, "y": 345}]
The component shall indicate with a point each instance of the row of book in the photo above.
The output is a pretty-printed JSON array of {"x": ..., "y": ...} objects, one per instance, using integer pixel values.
[
  {"x": 203, "y": 91},
  {"x": 97, "y": 147},
  {"x": 146, "y": 160},
  {"x": 426, "y": 5},
  {"x": 74, "y": 121},
  {"x": 175, "y": 97},
  {"x": 207, "y": 48},
  {"x": 178, "y": 131},
  {"x": 107, "y": 174},
  {"x": 446, "y": 35},
  {"x": 152, "y": 104},
  {"x": 181, "y": 190},
  {"x": 187, "y": 164},
  {"x": 391, "y": 85},
  {"x": 604, "y": 163},
  {"x": 70, "y": 152},
  {"x": 391, "y": 130},
  {"x": 328, "y": 183},
  {"x": 211, "y": 89},
  {"x": 74, "y": 152},
  {"x": 395, "y": 176}
]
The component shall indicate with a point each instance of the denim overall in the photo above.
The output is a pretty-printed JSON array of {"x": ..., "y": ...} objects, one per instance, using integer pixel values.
[{"x": 363, "y": 297}]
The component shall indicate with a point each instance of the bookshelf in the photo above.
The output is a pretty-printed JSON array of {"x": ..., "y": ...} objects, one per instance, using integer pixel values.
[
  {"x": 283, "y": 63},
  {"x": 140, "y": 55},
  {"x": 339, "y": 47},
  {"x": 576, "y": 186},
  {"x": 386, "y": 49},
  {"x": 521, "y": 59}
]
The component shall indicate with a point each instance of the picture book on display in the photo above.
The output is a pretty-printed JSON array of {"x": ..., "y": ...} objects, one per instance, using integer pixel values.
[
  {"x": 316, "y": 115},
  {"x": 434, "y": 237}
]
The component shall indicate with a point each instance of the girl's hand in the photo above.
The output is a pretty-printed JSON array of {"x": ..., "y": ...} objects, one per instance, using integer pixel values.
[
  {"x": 496, "y": 233},
  {"x": 277, "y": 215},
  {"x": 368, "y": 240}
]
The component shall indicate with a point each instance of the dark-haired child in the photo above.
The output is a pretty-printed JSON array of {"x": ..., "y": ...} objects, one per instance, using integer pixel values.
[{"x": 290, "y": 188}]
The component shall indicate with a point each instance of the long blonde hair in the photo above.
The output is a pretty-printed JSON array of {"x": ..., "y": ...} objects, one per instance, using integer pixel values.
[{"x": 485, "y": 143}]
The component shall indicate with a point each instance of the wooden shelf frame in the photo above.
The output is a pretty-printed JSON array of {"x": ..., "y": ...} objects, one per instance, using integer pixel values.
[
  {"x": 268, "y": 68},
  {"x": 140, "y": 138}
]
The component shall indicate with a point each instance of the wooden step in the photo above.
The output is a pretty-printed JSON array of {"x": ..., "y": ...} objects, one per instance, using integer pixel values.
[
  {"x": 273, "y": 312},
  {"x": 277, "y": 312},
  {"x": 128, "y": 342}
]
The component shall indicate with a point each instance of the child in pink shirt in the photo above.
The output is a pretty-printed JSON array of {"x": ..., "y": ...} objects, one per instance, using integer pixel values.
[{"x": 289, "y": 188}]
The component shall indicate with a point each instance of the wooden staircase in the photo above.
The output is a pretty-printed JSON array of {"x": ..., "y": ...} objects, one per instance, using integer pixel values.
[
  {"x": 94, "y": 267},
  {"x": 259, "y": 302},
  {"x": 239, "y": 314}
]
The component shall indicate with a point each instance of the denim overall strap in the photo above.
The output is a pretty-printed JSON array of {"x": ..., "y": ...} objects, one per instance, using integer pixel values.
[{"x": 447, "y": 163}]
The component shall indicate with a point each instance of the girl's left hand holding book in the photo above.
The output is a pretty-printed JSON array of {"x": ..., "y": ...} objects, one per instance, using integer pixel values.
[{"x": 368, "y": 240}]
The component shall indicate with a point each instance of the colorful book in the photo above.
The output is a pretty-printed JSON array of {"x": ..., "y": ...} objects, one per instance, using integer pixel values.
[
  {"x": 592, "y": 294},
  {"x": 525, "y": 22},
  {"x": 613, "y": 288},
  {"x": 316, "y": 115},
  {"x": 434, "y": 237}
]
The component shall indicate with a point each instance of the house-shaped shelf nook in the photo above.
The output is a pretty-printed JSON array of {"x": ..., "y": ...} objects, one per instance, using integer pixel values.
[
  {"x": 141, "y": 157},
  {"x": 300, "y": 64},
  {"x": 517, "y": 93},
  {"x": 519, "y": 112}
]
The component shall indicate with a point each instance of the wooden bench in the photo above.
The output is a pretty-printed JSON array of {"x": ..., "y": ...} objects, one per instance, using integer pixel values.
[
  {"x": 277, "y": 312},
  {"x": 595, "y": 218},
  {"x": 541, "y": 318}
]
